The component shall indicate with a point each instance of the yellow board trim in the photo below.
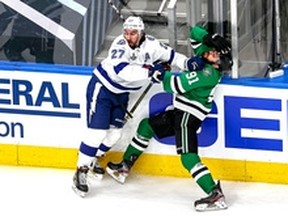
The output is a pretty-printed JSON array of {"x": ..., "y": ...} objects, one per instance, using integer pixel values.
[{"x": 148, "y": 164}]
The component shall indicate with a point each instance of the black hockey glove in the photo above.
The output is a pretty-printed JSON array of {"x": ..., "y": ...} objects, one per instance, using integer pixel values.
[
  {"x": 195, "y": 63},
  {"x": 157, "y": 73},
  {"x": 218, "y": 42}
]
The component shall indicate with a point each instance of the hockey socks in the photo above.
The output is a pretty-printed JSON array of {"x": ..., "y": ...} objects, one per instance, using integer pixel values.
[
  {"x": 139, "y": 142},
  {"x": 198, "y": 171}
]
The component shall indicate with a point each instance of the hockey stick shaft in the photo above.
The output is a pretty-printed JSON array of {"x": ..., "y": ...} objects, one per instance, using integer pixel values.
[
  {"x": 138, "y": 101},
  {"x": 116, "y": 9},
  {"x": 125, "y": 4}
]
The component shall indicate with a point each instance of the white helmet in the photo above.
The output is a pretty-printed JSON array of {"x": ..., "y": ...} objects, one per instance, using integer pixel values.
[{"x": 133, "y": 22}]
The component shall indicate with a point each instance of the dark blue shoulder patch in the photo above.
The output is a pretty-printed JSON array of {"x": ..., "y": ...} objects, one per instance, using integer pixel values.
[
  {"x": 121, "y": 42},
  {"x": 149, "y": 37}
]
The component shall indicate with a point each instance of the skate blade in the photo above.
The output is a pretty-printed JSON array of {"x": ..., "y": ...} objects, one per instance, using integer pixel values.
[
  {"x": 79, "y": 192},
  {"x": 218, "y": 205},
  {"x": 116, "y": 176}
]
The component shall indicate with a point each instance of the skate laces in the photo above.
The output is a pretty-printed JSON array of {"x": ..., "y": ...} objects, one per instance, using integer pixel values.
[
  {"x": 82, "y": 178},
  {"x": 124, "y": 168},
  {"x": 82, "y": 175}
]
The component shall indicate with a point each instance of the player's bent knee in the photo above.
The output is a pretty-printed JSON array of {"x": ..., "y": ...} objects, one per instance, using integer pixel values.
[
  {"x": 94, "y": 137},
  {"x": 144, "y": 129},
  {"x": 114, "y": 134}
]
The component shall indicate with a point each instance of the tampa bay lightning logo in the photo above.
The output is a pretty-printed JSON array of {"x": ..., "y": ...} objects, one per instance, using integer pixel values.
[{"x": 121, "y": 42}]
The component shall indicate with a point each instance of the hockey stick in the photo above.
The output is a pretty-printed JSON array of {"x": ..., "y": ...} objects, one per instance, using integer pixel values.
[
  {"x": 118, "y": 12},
  {"x": 128, "y": 8},
  {"x": 144, "y": 93},
  {"x": 138, "y": 101},
  {"x": 116, "y": 9}
]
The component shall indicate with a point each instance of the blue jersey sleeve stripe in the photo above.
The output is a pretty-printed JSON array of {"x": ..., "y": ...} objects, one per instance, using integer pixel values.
[
  {"x": 120, "y": 66},
  {"x": 114, "y": 84},
  {"x": 171, "y": 56}
]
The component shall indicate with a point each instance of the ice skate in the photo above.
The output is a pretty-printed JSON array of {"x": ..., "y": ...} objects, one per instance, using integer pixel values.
[
  {"x": 215, "y": 201},
  {"x": 96, "y": 170},
  {"x": 118, "y": 171},
  {"x": 80, "y": 185}
]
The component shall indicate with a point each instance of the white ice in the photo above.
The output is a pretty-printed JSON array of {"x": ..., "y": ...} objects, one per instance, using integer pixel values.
[{"x": 43, "y": 191}]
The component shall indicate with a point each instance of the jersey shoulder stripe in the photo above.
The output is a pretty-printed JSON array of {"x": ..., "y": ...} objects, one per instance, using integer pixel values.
[{"x": 109, "y": 83}]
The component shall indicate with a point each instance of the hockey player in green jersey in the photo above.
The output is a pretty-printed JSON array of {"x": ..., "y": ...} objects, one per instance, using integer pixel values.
[{"x": 193, "y": 99}]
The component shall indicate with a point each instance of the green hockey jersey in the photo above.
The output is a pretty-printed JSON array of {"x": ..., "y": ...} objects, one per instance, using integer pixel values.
[{"x": 193, "y": 91}]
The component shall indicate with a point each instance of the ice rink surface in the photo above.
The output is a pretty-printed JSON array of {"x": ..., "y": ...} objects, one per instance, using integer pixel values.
[{"x": 44, "y": 191}]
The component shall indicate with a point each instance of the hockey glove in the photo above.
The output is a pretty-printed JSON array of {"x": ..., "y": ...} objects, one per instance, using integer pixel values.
[
  {"x": 218, "y": 42},
  {"x": 195, "y": 63},
  {"x": 157, "y": 73}
]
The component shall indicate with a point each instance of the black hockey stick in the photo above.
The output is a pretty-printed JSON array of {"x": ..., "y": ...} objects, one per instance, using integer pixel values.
[
  {"x": 138, "y": 101},
  {"x": 144, "y": 93}
]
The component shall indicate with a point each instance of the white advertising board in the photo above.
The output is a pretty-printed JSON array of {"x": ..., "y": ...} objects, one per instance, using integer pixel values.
[
  {"x": 48, "y": 109},
  {"x": 43, "y": 109}
]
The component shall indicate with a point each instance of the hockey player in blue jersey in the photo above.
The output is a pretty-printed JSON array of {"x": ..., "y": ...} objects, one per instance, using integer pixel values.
[
  {"x": 193, "y": 98},
  {"x": 128, "y": 66}
]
